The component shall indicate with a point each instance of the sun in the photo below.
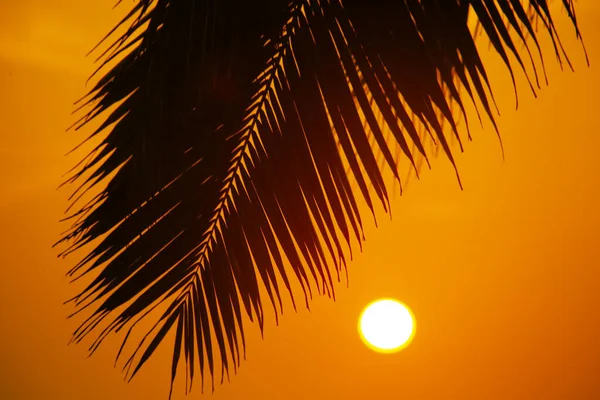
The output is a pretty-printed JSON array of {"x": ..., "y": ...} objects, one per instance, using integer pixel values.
[{"x": 386, "y": 325}]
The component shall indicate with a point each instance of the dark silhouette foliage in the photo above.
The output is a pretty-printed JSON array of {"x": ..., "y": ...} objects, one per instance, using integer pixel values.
[{"x": 238, "y": 136}]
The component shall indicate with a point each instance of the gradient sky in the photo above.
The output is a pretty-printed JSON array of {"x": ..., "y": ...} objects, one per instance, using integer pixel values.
[{"x": 503, "y": 276}]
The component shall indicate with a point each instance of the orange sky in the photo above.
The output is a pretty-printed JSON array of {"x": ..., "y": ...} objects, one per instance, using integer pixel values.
[{"x": 503, "y": 277}]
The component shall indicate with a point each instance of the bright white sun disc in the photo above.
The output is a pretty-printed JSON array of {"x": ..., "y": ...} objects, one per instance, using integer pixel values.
[{"x": 386, "y": 325}]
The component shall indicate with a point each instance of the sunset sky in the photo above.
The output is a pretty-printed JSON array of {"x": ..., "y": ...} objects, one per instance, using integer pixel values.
[{"x": 503, "y": 277}]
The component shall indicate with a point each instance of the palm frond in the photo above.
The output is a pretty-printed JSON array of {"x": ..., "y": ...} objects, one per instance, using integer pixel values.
[{"x": 238, "y": 136}]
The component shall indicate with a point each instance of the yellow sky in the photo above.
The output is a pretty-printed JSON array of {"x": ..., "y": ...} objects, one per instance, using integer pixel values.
[{"x": 503, "y": 276}]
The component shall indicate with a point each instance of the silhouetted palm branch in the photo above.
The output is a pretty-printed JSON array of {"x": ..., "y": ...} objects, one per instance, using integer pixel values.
[{"x": 238, "y": 137}]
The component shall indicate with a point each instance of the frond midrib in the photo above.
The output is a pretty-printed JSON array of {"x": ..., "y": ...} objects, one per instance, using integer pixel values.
[{"x": 249, "y": 134}]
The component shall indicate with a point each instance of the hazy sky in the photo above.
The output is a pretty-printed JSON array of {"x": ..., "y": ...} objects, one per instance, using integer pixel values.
[{"x": 503, "y": 277}]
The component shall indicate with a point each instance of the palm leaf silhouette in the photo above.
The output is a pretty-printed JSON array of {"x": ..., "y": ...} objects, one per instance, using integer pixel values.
[{"x": 237, "y": 138}]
